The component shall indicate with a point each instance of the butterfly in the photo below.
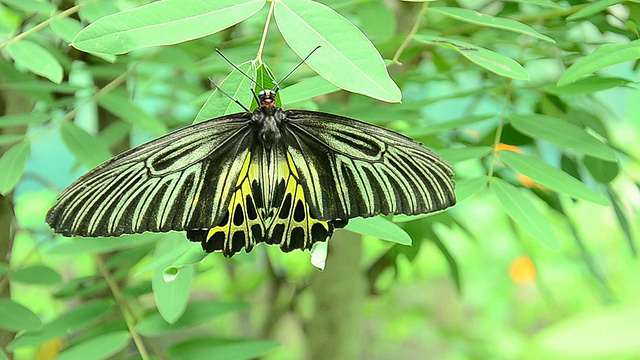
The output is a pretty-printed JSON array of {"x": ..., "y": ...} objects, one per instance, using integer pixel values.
[{"x": 282, "y": 177}]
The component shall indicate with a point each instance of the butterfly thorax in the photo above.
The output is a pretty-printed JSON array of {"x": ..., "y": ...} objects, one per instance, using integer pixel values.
[{"x": 268, "y": 118}]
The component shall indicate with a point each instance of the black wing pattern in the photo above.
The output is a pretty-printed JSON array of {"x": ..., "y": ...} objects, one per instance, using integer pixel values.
[
  {"x": 176, "y": 182},
  {"x": 353, "y": 169}
]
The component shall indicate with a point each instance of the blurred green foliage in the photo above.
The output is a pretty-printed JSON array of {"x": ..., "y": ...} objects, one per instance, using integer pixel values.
[{"x": 533, "y": 101}]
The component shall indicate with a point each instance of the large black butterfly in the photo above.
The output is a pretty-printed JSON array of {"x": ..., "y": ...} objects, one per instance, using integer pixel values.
[{"x": 287, "y": 178}]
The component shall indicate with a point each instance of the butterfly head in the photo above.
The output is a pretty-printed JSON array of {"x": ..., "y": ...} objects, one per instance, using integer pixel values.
[{"x": 267, "y": 97}]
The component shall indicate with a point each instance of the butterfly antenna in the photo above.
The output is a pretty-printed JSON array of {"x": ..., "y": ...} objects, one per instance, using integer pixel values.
[
  {"x": 229, "y": 96},
  {"x": 237, "y": 68},
  {"x": 295, "y": 68}
]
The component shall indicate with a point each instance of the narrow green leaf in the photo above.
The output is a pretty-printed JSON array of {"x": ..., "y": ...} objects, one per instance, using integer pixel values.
[
  {"x": 235, "y": 85},
  {"x": 171, "y": 297},
  {"x": 67, "y": 28},
  {"x": 22, "y": 119},
  {"x": 379, "y": 227},
  {"x": 15, "y": 317},
  {"x": 228, "y": 349},
  {"x": 195, "y": 314},
  {"x": 477, "y": 18},
  {"x": 438, "y": 127},
  {"x": 562, "y": 133},
  {"x": 194, "y": 256},
  {"x": 85, "y": 147},
  {"x": 177, "y": 20},
  {"x": 117, "y": 102},
  {"x": 592, "y": 9},
  {"x": 468, "y": 187},
  {"x": 12, "y": 164},
  {"x": 524, "y": 213},
  {"x": 463, "y": 154},
  {"x": 605, "y": 56},
  {"x": 601, "y": 170},
  {"x": 542, "y": 3},
  {"x": 492, "y": 61},
  {"x": 621, "y": 215},
  {"x": 65, "y": 324},
  {"x": 346, "y": 57},
  {"x": 6, "y": 139},
  {"x": 588, "y": 85},
  {"x": 36, "y": 59},
  {"x": 451, "y": 261},
  {"x": 551, "y": 177},
  {"x": 307, "y": 89},
  {"x": 36, "y": 275},
  {"x": 99, "y": 347},
  {"x": 265, "y": 80},
  {"x": 80, "y": 245}
]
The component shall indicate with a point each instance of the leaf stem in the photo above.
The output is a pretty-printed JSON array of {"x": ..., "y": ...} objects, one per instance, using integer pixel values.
[
  {"x": 128, "y": 317},
  {"x": 264, "y": 33},
  {"x": 411, "y": 34},
  {"x": 503, "y": 117}
]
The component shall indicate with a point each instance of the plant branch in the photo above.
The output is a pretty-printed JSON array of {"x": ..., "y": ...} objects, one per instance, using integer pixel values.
[
  {"x": 503, "y": 117},
  {"x": 264, "y": 33},
  {"x": 411, "y": 34},
  {"x": 128, "y": 317}
]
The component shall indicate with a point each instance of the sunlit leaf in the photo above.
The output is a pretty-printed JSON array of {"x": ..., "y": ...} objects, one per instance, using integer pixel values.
[
  {"x": 228, "y": 349},
  {"x": 592, "y": 9},
  {"x": 22, "y": 119},
  {"x": 237, "y": 86},
  {"x": 307, "y": 89},
  {"x": 588, "y": 85},
  {"x": 346, "y": 57},
  {"x": 457, "y": 155},
  {"x": 118, "y": 103},
  {"x": 176, "y": 20},
  {"x": 468, "y": 187},
  {"x": 85, "y": 147},
  {"x": 171, "y": 297}
]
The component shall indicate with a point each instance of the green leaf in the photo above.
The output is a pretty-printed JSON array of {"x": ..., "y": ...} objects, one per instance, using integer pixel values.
[
  {"x": 587, "y": 85},
  {"x": 67, "y": 28},
  {"x": 562, "y": 133},
  {"x": 346, "y": 57},
  {"x": 177, "y": 20},
  {"x": 605, "y": 56},
  {"x": 438, "y": 127},
  {"x": 36, "y": 275},
  {"x": 12, "y": 164},
  {"x": 592, "y": 9},
  {"x": 524, "y": 213},
  {"x": 477, "y": 18},
  {"x": 492, "y": 61},
  {"x": 194, "y": 256},
  {"x": 601, "y": 170},
  {"x": 15, "y": 317},
  {"x": 265, "y": 80},
  {"x": 542, "y": 3},
  {"x": 307, "y": 89},
  {"x": 99, "y": 347},
  {"x": 610, "y": 333},
  {"x": 65, "y": 324},
  {"x": 80, "y": 245},
  {"x": 379, "y": 227},
  {"x": 468, "y": 187},
  {"x": 31, "y": 6},
  {"x": 6, "y": 139},
  {"x": 22, "y": 119},
  {"x": 171, "y": 297},
  {"x": 462, "y": 154},
  {"x": 551, "y": 177},
  {"x": 36, "y": 59},
  {"x": 117, "y": 102},
  {"x": 228, "y": 349},
  {"x": 85, "y": 147},
  {"x": 235, "y": 85},
  {"x": 195, "y": 314}
]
